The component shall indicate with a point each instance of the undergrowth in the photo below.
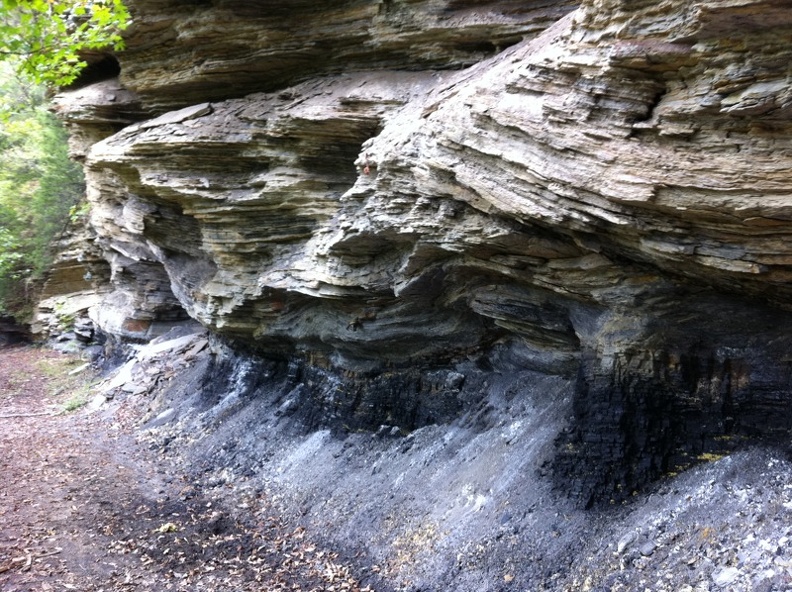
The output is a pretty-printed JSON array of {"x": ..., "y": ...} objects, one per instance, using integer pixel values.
[{"x": 69, "y": 380}]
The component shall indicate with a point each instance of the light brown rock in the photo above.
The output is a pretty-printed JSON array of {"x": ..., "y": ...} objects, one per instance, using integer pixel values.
[{"x": 622, "y": 153}]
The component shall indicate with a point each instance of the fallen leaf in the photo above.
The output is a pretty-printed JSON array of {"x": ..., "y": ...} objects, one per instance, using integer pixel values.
[{"x": 167, "y": 527}]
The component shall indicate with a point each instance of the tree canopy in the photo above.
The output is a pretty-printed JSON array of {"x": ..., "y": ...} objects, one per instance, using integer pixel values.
[{"x": 46, "y": 38}]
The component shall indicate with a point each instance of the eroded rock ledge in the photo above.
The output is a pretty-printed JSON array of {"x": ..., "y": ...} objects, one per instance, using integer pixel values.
[{"x": 374, "y": 191}]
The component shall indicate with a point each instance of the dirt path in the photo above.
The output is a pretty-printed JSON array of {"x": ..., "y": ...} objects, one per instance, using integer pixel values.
[{"x": 83, "y": 507}]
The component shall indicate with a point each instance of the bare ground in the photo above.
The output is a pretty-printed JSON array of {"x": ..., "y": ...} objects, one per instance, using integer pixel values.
[{"x": 84, "y": 507}]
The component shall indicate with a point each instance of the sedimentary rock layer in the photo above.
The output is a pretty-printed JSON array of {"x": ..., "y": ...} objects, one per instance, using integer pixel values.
[
  {"x": 199, "y": 51},
  {"x": 598, "y": 191}
]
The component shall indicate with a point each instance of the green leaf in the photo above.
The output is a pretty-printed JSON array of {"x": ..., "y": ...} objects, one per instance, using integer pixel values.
[{"x": 45, "y": 36}]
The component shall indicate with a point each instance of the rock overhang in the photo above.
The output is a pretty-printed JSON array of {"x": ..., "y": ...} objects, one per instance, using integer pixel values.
[{"x": 605, "y": 198}]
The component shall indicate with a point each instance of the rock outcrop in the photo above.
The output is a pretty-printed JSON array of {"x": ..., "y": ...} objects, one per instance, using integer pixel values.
[
  {"x": 403, "y": 201},
  {"x": 74, "y": 285}
]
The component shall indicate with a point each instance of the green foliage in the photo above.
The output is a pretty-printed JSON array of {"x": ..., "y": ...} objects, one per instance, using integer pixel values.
[
  {"x": 45, "y": 38},
  {"x": 79, "y": 211},
  {"x": 42, "y": 44},
  {"x": 39, "y": 185}
]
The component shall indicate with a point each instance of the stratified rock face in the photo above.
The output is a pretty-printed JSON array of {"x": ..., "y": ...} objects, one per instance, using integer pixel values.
[
  {"x": 600, "y": 192},
  {"x": 207, "y": 51},
  {"x": 95, "y": 112},
  {"x": 74, "y": 285}
]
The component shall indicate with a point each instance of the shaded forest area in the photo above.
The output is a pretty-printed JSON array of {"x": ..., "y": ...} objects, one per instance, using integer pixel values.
[{"x": 40, "y": 190}]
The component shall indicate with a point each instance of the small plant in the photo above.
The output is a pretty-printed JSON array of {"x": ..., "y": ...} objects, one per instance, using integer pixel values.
[
  {"x": 710, "y": 456},
  {"x": 79, "y": 211},
  {"x": 76, "y": 402},
  {"x": 67, "y": 383},
  {"x": 64, "y": 319}
]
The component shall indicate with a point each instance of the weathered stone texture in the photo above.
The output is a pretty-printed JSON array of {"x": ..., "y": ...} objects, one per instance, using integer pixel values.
[
  {"x": 75, "y": 283},
  {"x": 95, "y": 112},
  {"x": 216, "y": 50},
  {"x": 601, "y": 191}
]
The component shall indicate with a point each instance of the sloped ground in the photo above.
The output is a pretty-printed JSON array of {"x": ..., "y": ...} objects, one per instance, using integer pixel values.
[
  {"x": 724, "y": 526},
  {"x": 92, "y": 502},
  {"x": 84, "y": 507},
  {"x": 464, "y": 506}
]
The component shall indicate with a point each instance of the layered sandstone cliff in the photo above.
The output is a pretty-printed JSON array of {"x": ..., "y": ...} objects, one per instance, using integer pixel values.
[{"x": 408, "y": 197}]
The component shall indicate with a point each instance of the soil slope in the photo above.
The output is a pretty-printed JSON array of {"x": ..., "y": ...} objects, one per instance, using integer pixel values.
[{"x": 84, "y": 507}]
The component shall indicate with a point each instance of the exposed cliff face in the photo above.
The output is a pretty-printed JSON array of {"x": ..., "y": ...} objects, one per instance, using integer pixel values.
[
  {"x": 420, "y": 194},
  {"x": 188, "y": 52},
  {"x": 74, "y": 285}
]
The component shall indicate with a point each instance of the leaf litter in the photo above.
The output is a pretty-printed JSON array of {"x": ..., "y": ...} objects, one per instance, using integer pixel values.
[{"x": 84, "y": 507}]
